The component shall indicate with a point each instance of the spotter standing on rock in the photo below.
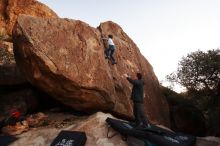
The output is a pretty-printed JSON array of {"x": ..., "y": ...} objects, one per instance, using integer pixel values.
[
  {"x": 137, "y": 96},
  {"x": 109, "y": 52}
]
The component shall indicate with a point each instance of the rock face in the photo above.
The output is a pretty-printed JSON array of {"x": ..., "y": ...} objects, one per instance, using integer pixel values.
[
  {"x": 10, "y": 9},
  {"x": 131, "y": 61},
  {"x": 65, "y": 58}
]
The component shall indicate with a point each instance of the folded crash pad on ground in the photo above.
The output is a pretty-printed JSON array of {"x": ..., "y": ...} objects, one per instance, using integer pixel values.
[{"x": 154, "y": 134}]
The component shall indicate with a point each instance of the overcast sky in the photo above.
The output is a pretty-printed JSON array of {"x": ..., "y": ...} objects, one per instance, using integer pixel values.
[{"x": 164, "y": 30}]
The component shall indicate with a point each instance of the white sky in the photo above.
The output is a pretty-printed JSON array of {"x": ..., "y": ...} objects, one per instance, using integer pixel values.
[{"x": 164, "y": 30}]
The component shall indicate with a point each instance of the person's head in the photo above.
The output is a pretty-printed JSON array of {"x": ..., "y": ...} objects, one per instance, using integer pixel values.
[
  {"x": 139, "y": 76},
  {"x": 110, "y": 36}
]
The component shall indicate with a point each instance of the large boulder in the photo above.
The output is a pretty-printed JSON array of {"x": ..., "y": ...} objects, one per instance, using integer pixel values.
[
  {"x": 10, "y": 9},
  {"x": 65, "y": 58}
]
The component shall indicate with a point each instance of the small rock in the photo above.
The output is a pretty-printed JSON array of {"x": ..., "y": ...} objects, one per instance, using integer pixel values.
[
  {"x": 16, "y": 129},
  {"x": 36, "y": 119}
]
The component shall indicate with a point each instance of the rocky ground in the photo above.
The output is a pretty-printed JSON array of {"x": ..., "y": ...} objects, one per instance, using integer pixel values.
[
  {"x": 53, "y": 118},
  {"x": 43, "y": 131},
  {"x": 44, "y": 127}
]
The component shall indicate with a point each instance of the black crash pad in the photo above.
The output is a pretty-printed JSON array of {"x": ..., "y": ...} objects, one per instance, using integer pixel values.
[
  {"x": 154, "y": 134},
  {"x": 70, "y": 138}
]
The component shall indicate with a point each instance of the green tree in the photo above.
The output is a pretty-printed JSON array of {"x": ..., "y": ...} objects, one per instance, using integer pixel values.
[{"x": 199, "y": 71}]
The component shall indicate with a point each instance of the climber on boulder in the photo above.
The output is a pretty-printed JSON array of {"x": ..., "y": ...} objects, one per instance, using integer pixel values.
[{"x": 109, "y": 52}]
